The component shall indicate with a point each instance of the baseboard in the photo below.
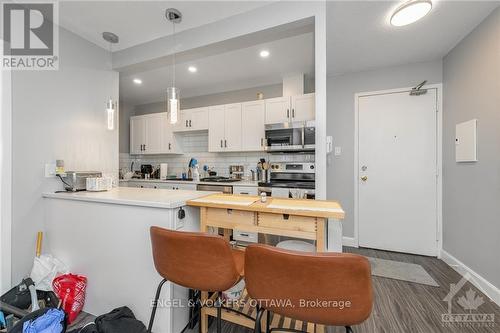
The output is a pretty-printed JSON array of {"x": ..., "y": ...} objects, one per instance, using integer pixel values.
[
  {"x": 477, "y": 280},
  {"x": 349, "y": 241}
]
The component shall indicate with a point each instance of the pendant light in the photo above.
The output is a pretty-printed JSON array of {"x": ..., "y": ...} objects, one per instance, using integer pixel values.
[
  {"x": 173, "y": 104},
  {"x": 111, "y": 38}
]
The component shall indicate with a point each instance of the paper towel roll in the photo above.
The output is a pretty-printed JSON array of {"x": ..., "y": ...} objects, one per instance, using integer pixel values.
[{"x": 163, "y": 170}]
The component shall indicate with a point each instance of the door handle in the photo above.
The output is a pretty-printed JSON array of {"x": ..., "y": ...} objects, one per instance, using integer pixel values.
[
  {"x": 364, "y": 178},
  {"x": 144, "y": 147},
  {"x": 261, "y": 142},
  {"x": 169, "y": 146}
]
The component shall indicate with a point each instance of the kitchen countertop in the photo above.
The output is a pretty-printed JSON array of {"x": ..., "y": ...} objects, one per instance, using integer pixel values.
[
  {"x": 238, "y": 183},
  {"x": 156, "y": 198}
]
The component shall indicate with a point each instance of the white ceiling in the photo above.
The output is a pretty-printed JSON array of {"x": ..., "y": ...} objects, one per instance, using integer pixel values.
[
  {"x": 137, "y": 22},
  {"x": 238, "y": 69},
  {"x": 360, "y": 38}
]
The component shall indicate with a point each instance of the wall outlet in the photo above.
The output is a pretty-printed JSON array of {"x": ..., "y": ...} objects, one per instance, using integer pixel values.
[
  {"x": 50, "y": 170},
  {"x": 338, "y": 151},
  {"x": 329, "y": 144}
]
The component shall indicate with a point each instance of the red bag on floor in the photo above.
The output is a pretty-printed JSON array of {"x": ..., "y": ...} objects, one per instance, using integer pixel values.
[{"x": 70, "y": 289}]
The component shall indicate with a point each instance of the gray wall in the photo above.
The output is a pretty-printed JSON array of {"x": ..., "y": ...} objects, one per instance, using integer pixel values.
[
  {"x": 57, "y": 115},
  {"x": 471, "y": 191},
  {"x": 340, "y": 122}
]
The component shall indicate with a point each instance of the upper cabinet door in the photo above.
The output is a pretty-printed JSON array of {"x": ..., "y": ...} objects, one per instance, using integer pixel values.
[
  {"x": 252, "y": 125},
  {"x": 155, "y": 124},
  {"x": 169, "y": 144},
  {"x": 137, "y": 135},
  {"x": 198, "y": 119},
  {"x": 277, "y": 110},
  {"x": 216, "y": 127},
  {"x": 303, "y": 107},
  {"x": 232, "y": 128}
]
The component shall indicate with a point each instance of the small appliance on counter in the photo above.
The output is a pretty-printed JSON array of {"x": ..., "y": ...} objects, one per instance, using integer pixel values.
[
  {"x": 163, "y": 171},
  {"x": 99, "y": 184},
  {"x": 75, "y": 181},
  {"x": 146, "y": 170}
]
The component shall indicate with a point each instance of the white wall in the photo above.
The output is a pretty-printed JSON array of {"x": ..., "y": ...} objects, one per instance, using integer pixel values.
[
  {"x": 471, "y": 191},
  {"x": 340, "y": 122},
  {"x": 58, "y": 115}
]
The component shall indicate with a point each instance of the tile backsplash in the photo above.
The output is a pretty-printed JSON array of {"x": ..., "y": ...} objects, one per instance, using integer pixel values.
[{"x": 195, "y": 145}]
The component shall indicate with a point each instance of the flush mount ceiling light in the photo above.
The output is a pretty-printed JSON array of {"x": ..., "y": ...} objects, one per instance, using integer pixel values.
[
  {"x": 137, "y": 81},
  {"x": 111, "y": 38},
  {"x": 410, "y": 12},
  {"x": 192, "y": 69},
  {"x": 264, "y": 53}
]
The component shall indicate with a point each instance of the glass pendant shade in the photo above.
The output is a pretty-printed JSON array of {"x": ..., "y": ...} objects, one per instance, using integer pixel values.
[
  {"x": 173, "y": 104},
  {"x": 110, "y": 110}
]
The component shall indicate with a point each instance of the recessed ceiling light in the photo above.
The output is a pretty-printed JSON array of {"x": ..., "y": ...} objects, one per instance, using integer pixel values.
[
  {"x": 410, "y": 12},
  {"x": 137, "y": 81},
  {"x": 192, "y": 69},
  {"x": 264, "y": 53}
]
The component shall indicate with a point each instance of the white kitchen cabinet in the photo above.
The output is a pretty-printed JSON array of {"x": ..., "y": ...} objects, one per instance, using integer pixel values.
[
  {"x": 248, "y": 190},
  {"x": 224, "y": 128},
  {"x": 289, "y": 109},
  {"x": 303, "y": 107},
  {"x": 232, "y": 127},
  {"x": 152, "y": 134},
  {"x": 216, "y": 127},
  {"x": 192, "y": 120},
  {"x": 137, "y": 134},
  {"x": 253, "y": 116},
  {"x": 277, "y": 110}
]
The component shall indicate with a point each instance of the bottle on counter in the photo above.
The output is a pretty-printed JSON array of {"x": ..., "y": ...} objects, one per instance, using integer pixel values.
[{"x": 196, "y": 173}]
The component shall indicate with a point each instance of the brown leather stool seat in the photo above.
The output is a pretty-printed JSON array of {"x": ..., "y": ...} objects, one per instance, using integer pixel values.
[
  {"x": 195, "y": 260},
  {"x": 333, "y": 289}
]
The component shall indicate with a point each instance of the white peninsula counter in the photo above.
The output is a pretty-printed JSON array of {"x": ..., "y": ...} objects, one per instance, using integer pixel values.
[{"x": 105, "y": 236}]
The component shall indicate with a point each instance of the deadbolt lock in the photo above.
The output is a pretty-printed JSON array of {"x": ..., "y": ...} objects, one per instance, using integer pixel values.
[{"x": 364, "y": 178}]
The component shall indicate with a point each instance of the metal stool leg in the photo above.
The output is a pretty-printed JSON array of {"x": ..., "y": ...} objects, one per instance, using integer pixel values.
[
  {"x": 155, "y": 305},
  {"x": 348, "y": 329},
  {"x": 258, "y": 319},
  {"x": 268, "y": 319}
]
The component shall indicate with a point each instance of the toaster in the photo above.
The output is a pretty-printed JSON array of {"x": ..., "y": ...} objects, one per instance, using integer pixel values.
[{"x": 77, "y": 180}]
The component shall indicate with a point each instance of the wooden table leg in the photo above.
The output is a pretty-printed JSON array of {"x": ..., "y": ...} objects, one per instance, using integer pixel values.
[
  {"x": 320, "y": 235},
  {"x": 203, "y": 219},
  {"x": 203, "y": 314}
]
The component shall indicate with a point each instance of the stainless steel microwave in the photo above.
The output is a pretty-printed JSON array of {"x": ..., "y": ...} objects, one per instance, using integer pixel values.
[{"x": 291, "y": 137}]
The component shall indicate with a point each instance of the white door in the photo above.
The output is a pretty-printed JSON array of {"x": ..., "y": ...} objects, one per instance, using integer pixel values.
[
  {"x": 232, "y": 128},
  {"x": 137, "y": 135},
  {"x": 303, "y": 107},
  {"x": 216, "y": 128},
  {"x": 154, "y": 130},
  {"x": 397, "y": 172},
  {"x": 198, "y": 119},
  {"x": 253, "y": 128},
  {"x": 277, "y": 110}
]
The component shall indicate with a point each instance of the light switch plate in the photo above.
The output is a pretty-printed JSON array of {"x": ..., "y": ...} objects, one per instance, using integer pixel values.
[
  {"x": 50, "y": 170},
  {"x": 329, "y": 144}
]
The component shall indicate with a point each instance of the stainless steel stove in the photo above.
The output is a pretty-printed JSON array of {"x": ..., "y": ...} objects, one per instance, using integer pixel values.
[{"x": 290, "y": 180}]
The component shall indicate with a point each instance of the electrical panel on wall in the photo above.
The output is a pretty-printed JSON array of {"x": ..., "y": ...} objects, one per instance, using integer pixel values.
[{"x": 466, "y": 141}]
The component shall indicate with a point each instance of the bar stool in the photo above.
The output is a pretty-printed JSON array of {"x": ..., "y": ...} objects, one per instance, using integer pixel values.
[
  {"x": 311, "y": 287},
  {"x": 197, "y": 261}
]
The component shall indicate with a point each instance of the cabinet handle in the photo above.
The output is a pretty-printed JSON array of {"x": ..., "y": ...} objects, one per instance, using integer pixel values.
[
  {"x": 190, "y": 123},
  {"x": 144, "y": 147},
  {"x": 225, "y": 143},
  {"x": 288, "y": 113},
  {"x": 293, "y": 113},
  {"x": 221, "y": 144},
  {"x": 169, "y": 146},
  {"x": 261, "y": 142}
]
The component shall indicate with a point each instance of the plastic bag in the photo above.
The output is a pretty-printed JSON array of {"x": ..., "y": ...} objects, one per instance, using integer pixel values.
[
  {"x": 45, "y": 269},
  {"x": 70, "y": 289},
  {"x": 50, "y": 322}
]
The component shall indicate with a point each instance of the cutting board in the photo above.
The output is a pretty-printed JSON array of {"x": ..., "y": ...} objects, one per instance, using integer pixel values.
[
  {"x": 227, "y": 199},
  {"x": 313, "y": 205}
]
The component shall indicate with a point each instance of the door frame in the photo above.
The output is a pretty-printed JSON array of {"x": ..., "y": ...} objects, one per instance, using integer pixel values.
[{"x": 439, "y": 160}]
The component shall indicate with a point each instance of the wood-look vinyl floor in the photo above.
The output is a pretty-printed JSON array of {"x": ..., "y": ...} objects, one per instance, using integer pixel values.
[{"x": 402, "y": 306}]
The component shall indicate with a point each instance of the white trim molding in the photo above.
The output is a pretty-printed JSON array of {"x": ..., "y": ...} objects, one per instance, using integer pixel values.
[
  {"x": 439, "y": 167},
  {"x": 349, "y": 241},
  {"x": 477, "y": 280}
]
